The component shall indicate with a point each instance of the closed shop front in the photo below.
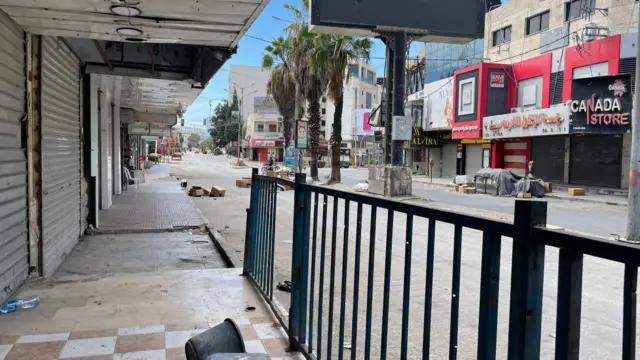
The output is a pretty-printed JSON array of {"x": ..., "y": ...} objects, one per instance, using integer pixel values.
[
  {"x": 547, "y": 154},
  {"x": 596, "y": 160},
  {"x": 14, "y": 261},
  {"x": 61, "y": 164},
  {"x": 514, "y": 156},
  {"x": 472, "y": 159},
  {"x": 434, "y": 155},
  {"x": 449, "y": 159}
]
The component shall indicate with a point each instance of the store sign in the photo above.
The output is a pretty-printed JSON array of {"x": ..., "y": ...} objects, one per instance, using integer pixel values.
[
  {"x": 302, "y": 139},
  {"x": 601, "y": 105},
  {"x": 538, "y": 122},
  {"x": 438, "y": 105},
  {"x": 264, "y": 105},
  {"x": 497, "y": 80},
  {"x": 421, "y": 138},
  {"x": 266, "y": 143}
]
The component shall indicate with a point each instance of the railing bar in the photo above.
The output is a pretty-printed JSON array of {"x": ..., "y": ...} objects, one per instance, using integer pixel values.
[
  {"x": 254, "y": 225},
  {"x": 272, "y": 241},
  {"x": 455, "y": 292},
  {"x": 406, "y": 288},
  {"x": 356, "y": 283},
  {"x": 629, "y": 312},
  {"x": 321, "y": 285},
  {"x": 343, "y": 288},
  {"x": 569, "y": 305},
  {"x": 313, "y": 268},
  {"x": 306, "y": 228},
  {"x": 259, "y": 232},
  {"x": 489, "y": 293},
  {"x": 332, "y": 275},
  {"x": 263, "y": 231},
  {"x": 428, "y": 290},
  {"x": 372, "y": 258},
  {"x": 387, "y": 285}
]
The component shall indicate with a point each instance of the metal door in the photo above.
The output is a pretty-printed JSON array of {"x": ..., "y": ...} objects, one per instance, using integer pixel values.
[
  {"x": 435, "y": 154},
  {"x": 61, "y": 165},
  {"x": 547, "y": 154},
  {"x": 472, "y": 159},
  {"x": 596, "y": 160},
  {"x": 14, "y": 253},
  {"x": 449, "y": 160}
]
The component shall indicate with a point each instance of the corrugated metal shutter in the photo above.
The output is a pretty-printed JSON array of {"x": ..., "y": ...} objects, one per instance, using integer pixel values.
[
  {"x": 596, "y": 160},
  {"x": 555, "y": 88},
  {"x": 435, "y": 154},
  {"x": 14, "y": 253},
  {"x": 449, "y": 160},
  {"x": 547, "y": 154},
  {"x": 61, "y": 165},
  {"x": 472, "y": 159},
  {"x": 628, "y": 66},
  {"x": 514, "y": 156}
]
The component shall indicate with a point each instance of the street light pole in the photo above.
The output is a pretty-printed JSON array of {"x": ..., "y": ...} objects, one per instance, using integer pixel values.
[
  {"x": 240, "y": 113},
  {"x": 633, "y": 214}
]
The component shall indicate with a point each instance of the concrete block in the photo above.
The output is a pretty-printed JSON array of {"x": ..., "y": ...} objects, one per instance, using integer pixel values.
[
  {"x": 390, "y": 181},
  {"x": 576, "y": 192},
  {"x": 524, "y": 196},
  {"x": 469, "y": 190},
  {"x": 217, "y": 191},
  {"x": 548, "y": 187}
]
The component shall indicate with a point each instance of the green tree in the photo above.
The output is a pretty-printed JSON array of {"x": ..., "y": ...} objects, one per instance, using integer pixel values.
[
  {"x": 193, "y": 140},
  {"x": 331, "y": 56},
  {"x": 224, "y": 126}
]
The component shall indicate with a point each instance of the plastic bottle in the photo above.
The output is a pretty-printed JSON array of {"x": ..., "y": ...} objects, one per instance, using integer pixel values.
[{"x": 19, "y": 304}]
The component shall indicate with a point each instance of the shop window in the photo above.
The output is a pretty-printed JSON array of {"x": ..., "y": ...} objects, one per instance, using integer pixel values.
[
  {"x": 575, "y": 9},
  {"x": 259, "y": 127},
  {"x": 273, "y": 128},
  {"x": 538, "y": 23},
  {"x": 502, "y": 36},
  {"x": 324, "y": 111}
]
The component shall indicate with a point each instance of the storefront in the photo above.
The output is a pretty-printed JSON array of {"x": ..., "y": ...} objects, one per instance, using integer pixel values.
[
  {"x": 601, "y": 114},
  {"x": 263, "y": 149},
  {"x": 423, "y": 144}
]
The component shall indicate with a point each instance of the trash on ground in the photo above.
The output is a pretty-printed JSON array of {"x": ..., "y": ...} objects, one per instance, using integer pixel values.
[
  {"x": 284, "y": 286},
  {"x": 510, "y": 184},
  {"x": 347, "y": 346},
  {"x": 183, "y": 183},
  {"x": 361, "y": 187},
  {"x": 217, "y": 191},
  {"x": 250, "y": 308},
  {"x": 198, "y": 191},
  {"x": 19, "y": 304}
]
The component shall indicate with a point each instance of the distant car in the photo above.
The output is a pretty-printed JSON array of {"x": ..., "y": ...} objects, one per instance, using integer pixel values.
[
  {"x": 176, "y": 156},
  {"x": 197, "y": 151}
]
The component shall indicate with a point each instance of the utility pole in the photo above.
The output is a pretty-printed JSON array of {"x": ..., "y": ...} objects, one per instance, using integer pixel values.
[
  {"x": 240, "y": 122},
  {"x": 633, "y": 214}
]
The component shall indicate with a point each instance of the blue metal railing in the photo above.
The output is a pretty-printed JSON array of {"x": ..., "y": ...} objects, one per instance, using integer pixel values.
[{"x": 530, "y": 238}]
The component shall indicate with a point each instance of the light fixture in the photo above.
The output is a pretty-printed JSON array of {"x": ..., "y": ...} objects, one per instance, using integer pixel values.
[
  {"x": 125, "y": 10},
  {"x": 129, "y": 31}
]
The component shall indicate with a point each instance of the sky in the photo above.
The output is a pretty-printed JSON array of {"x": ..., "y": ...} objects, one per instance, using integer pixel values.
[{"x": 250, "y": 51}]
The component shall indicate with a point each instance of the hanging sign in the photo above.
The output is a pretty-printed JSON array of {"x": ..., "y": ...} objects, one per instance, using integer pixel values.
[
  {"x": 302, "y": 135},
  {"x": 537, "y": 122},
  {"x": 290, "y": 157}
]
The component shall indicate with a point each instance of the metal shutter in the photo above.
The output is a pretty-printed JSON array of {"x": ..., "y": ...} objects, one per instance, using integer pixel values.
[
  {"x": 547, "y": 154},
  {"x": 514, "y": 156},
  {"x": 596, "y": 160},
  {"x": 61, "y": 165},
  {"x": 14, "y": 253},
  {"x": 435, "y": 154},
  {"x": 472, "y": 159},
  {"x": 628, "y": 66},
  {"x": 449, "y": 160},
  {"x": 555, "y": 88}
]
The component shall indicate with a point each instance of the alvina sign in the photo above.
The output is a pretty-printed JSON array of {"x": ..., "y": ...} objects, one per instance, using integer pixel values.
[{"x": 538, "y": 122}]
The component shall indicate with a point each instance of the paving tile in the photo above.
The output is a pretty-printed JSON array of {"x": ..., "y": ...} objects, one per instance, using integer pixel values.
[
  {"x": 89, "y": 334},
  {"x": 268, "y": 331},
  {"x": 8, "y": 339},
  {"x": 4, "y": 350},
  {"x": 187, "y": 326},
  {"x": 248, "y": 332},
  {"x": 176, "y": 339},
  {"x": 176, "y": 354},
  {"x": 88, "y": 347},
  {"x": 144, "y": 342},
  {"x": 43, "y": 338},
  {"x": 139, "y": 330},
  {"x": 255, "y": 347},
  {"x": 36, "y": 351},
  {"x": 142, "y": 355},
  {"x": 96, "y": 357},
  {"x": 275, "y": 347},
  {"x": 241, "y": 321}
]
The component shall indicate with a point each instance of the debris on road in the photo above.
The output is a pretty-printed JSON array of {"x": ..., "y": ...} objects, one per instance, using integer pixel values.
[
  {"x": 217, "y": 191},
  {"x": 197, "y": 191},
  {"x": 576, "y": 192},
  {"x": 361, "y": 187},
  {"x": 249, "y": 308},
  {"x": 183, "y": 183},
  {"x": 284, "y": 286},
  {"x": 244, "y": 183}
]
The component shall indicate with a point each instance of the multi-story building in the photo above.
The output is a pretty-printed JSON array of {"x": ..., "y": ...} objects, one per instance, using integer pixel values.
[
  {"x": 250, "y": 83},
  {"x": 263, "y": 132},
  {"x": 443, "y": 59}
]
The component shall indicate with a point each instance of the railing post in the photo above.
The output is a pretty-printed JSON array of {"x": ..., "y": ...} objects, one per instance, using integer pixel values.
[
  {"x": 527, "y": 277},
  {"x": 297, "y": 312},
  {"x": 250, "y": 238}
]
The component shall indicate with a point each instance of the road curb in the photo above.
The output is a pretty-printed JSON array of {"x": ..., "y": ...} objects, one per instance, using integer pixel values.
[{"x": 228, "y": 255}]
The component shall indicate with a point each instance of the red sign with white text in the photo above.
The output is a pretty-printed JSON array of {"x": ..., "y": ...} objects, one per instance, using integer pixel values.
[{"x": 497, "y": 79}]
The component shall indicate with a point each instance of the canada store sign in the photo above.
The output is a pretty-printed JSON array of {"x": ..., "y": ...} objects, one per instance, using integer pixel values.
[
  {"x": 539, "y": 122},
  {"x": 601, "y": 105}
]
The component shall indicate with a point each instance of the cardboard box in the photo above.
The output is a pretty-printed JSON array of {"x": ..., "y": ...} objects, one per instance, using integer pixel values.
[
  {"x": 524, "y": 196},
  {"x": 196, "y": 192},
  {"x": 576, "y": 192},
  {"x": 469, "y": 190},
  {"x": 271, "y": 173},
  {"x": 243, "y": 183},
  {"x": 548, "y": 187},
  {"x": 217, "y": 191}
]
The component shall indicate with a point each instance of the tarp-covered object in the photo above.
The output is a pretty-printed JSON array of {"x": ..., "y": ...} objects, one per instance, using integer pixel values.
[{"x": 510, "y": 184}]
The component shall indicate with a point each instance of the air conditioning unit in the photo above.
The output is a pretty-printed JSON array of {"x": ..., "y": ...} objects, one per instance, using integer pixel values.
[
  {"x": 126, "y": 116},
  {"x": 516, "y": 109},
  {"x": 593, "y": 31}
]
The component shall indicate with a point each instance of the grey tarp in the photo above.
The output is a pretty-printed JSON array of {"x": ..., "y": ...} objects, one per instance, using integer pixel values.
[{"x": 510, "y": 184}]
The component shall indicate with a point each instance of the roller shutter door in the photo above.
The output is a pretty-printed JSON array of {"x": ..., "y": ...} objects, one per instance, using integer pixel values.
[
  {"x": 547, "y": 154},
  {"x": 435, "y": 154},
  {"x": 449, "y": 160},
  {"x": 514, "y": 157},
  {"x": 14, "y": 253},
  {"x": 472, "y": 159},
  {"x": 596, "y": 160},
  {"x": 61, "y": 164}
]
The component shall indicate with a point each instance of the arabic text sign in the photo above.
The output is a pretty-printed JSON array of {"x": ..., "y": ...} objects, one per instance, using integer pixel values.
[{"x": 538, "y": 122}]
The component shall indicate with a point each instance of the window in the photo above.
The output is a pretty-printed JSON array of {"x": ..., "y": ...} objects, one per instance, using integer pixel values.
[
  {"x": 371, "y": 77},
  {"x": 324, "y": 111},
  {"x": 575, "y": 9},
  {"x": 368, "y": 101},
  {"x": 538, "y": 23},
  {"x": 362, "y": 92},
  {"x": 363, "y": 73},
  {"x": 361, "y": 106},
  {"x": 273, "y": 128},
  {"x": 354, "y": 70},
  {"x": 502, "y": 36},
  {"x": 323, "y": 123},
  {"x": 466, "y": 101},
  {"x": 259, "y": 127},
  {"x": 324, "y": 99}
]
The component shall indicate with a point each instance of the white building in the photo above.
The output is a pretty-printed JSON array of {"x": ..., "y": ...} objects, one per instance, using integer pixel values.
[{"x": 250, "y": 82}]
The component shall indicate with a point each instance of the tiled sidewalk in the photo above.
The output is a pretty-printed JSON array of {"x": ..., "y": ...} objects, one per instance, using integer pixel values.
[{"x": 155, "y": 342}]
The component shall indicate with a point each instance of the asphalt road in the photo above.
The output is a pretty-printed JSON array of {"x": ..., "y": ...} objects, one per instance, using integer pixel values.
[{"x": 601, "y": 326}]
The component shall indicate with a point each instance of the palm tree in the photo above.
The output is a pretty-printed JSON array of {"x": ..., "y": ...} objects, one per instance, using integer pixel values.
[
  {"x": 331, "y": 56},
  {"x": 281, "y": 85}
]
